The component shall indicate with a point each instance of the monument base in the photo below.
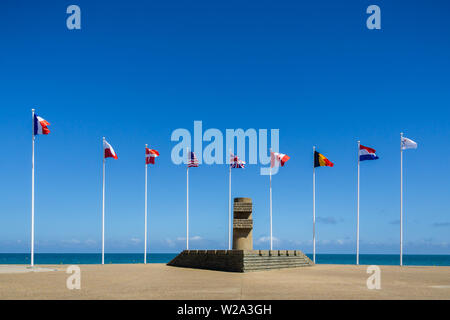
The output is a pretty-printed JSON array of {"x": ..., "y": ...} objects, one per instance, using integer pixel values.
[{"x": 241, "y": 260}]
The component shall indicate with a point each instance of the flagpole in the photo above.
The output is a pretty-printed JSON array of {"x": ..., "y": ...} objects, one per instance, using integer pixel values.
[
  {"x": 270, "y": 192},
  {"x": 103, "y": 208},
  {"x": 187, "y": 202},
  {"x": 314, "y": 206},
  {"x": 401, "y": 199},
  {"x": 145, "y": 228},
  {"x": 229, "y": 211},
  {"x": 32, "y": 190},
  {"x": 357, "y": 221}
]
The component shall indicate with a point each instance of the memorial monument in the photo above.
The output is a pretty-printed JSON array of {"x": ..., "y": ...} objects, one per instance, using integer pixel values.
[{"x": 242, "y": 258}]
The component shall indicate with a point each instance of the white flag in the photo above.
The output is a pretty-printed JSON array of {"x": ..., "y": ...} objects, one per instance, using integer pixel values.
[{"x": 408, "y": 144}]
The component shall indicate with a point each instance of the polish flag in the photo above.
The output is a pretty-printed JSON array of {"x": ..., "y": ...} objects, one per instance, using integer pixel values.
[
  {"x": 40, "y": 125},
  {"x": 108, "y": 150},
  {"x": 279, "y": 157},
  {"x": 150, "y": 156}
]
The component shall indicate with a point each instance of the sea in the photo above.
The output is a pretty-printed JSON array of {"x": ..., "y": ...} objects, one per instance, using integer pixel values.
[{"x": 120, "y": 258}]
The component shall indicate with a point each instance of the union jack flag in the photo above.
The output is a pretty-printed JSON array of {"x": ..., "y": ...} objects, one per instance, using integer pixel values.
[
  {"x": 192, "y": 161},
  {"x": 235, "y": 162}
]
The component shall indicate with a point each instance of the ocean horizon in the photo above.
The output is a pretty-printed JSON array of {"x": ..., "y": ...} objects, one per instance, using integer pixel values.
[{"x": 135, "y": 258}]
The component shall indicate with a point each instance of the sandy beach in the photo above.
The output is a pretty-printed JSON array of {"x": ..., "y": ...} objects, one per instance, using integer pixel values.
[{"x": 158, "y": 281}]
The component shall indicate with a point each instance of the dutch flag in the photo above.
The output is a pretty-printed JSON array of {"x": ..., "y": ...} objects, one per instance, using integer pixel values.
[
  {"x": 366, "y": 153},
  {"x": 40, "y": 125}
]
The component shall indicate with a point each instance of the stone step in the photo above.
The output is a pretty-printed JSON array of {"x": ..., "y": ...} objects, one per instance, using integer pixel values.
[
  {"x": 275, "y": 262},
  {"x": 260, "y": 258},
  {"x": 274, "y": 265},
  {"x": 262, "y": 268}
]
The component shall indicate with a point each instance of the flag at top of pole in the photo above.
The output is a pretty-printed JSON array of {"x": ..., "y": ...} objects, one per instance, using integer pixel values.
[
  {"x": 40, "y": 126},
  {"x": 108, "y": 152},
  {"x": 192, "y": 161},
  {"x": 276, "y": 159},
  {"x": 364, "y": 153},
  {"x": 235, "y": 163},
  {"x": 405, "y": 144},
  {"x": 408, "y": 143},
  {"x": 150, "y": 156},
  {"x": 319, "y": 161}
]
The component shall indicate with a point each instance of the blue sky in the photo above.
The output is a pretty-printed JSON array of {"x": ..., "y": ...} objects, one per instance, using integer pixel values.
[{"x": 137, "y": 70}]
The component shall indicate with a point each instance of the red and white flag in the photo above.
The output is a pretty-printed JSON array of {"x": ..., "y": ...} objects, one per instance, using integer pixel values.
[
  {"x": 108, "y": 150},
  {"x": 276, "y": 157},
  {"x": 150, "y": 156}
]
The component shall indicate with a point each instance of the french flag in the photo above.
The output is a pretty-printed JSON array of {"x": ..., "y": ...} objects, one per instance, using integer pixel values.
[
  {"x": 40, "y": 125},
  {"x": 366, "y": 153},
  {"x": 150, "y": 156},
  {"x": 108, "y": 150}
]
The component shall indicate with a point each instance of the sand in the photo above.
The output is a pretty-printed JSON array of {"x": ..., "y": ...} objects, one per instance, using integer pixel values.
[{"x": 158, "y": 281}]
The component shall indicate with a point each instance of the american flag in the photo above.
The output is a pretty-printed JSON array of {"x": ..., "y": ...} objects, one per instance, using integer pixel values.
[
  {"x": 235, "y": 162},
  {"x": 192, "y": 162}
]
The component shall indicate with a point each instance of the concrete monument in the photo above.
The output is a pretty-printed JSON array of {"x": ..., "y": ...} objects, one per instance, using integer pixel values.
[{"x": 242, "y": 258}]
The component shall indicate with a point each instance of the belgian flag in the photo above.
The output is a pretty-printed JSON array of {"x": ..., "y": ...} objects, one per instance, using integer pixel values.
[{"x": 321, "y": 161}]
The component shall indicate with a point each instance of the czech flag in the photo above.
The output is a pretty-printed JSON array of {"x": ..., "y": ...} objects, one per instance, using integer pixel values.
[
  {"x": 108, "y": 150},
  {"x": 40, "y": 125},
  {"x": 321, "y": 161},
  {"x": 366, "y": 153},
  {"x": 278, "y": 157},
  {"x": 150, "y": 156}
]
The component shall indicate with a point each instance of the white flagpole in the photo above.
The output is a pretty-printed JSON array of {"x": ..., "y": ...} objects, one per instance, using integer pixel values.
[
  {"x": 187, "y": 202},
  {"x": 401, "y": 199},
  {"x": 32, "y": 192},
  {"x": 229, "y": 210},
  {"x": 357, "y": 220},
  {"x": 270, "y": 191},
  {"x": 314, "y": 206},
  {"x": 103, "y": 207},
  {"x": 145, "y": 228}
]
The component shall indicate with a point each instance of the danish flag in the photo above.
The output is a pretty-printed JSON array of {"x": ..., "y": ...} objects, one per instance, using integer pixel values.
[{"x": 150, "y": 156}]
